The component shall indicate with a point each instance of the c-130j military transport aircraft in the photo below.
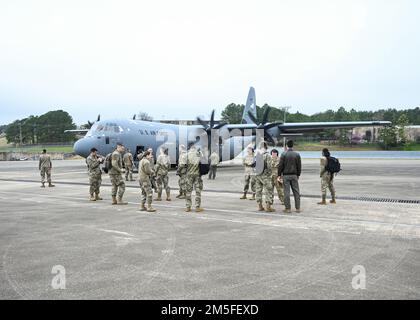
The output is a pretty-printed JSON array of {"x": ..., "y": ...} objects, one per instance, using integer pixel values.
[{"x": 228, "y": 140}]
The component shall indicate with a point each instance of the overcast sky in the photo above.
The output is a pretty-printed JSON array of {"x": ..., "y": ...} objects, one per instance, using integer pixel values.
[{"x": 178, "y": 59}]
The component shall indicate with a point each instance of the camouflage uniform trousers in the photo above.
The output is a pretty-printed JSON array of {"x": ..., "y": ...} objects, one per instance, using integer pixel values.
[
  {"x": 193, "y": 182},
  {"x": 118, "y": 185},
  {"x": 162, "y": 182},
  {"x": 46, "y": 171},
  {"x": 95, "y": 182},
  {"x": 146, "y": 192},
  {"x": 249, "y": 181},
  {"x": 264, "y": 187},
  {"x": 129, "y": 173},
  {"x": 182, "y": 182},
  {"x": 279, "y": 189},
  {"x": 327, "y": 181}
]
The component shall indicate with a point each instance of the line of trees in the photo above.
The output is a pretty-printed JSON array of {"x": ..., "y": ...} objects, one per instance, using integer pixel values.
[
  {"x": 47, "y": 128},
  {"x": 233, "y": 114}
]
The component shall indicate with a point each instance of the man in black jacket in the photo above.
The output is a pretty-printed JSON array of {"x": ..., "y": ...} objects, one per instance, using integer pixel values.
[{"x": 289, "y": 172}]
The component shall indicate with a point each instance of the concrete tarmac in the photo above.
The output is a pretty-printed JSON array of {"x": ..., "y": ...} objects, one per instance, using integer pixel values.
[{"x": 230, "y": 251}]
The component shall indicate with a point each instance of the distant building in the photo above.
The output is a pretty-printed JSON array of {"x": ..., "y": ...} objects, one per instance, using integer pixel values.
[
  {"x": 371, "y": 134},
  {"x": 413, "y": 133}
]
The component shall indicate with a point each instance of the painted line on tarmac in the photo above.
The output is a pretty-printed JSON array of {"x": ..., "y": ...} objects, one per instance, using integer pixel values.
[{"x": 117, "y": 232}]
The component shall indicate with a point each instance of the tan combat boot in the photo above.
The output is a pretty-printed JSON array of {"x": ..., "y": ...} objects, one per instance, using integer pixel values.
[
  {"x": 51, "y": 185},
  {"x": 92, "y": 197},
  {"x": 299, "y": 210},
  {"x": 114, "y": 200},
  {"x": 287, "y": 211},
  {"x": 42, "y": 185},
  {"x": 178, "y": 196},
  {"x": 121, "y": 202},
  {"x": 159, "y": 197},
  {"x": 199, "y": 209},
  {"x": 260, "y": 207},
  {"x": 323, "y": 201},
  {"x": 253, "y": 197},
  {"x": 333, "y": 199},
  {"x": 168, "y": 196},
  {"x": 98, "y": 197},
  {"x": 244, "y": 196},
  {"x": 150, "y": 208},
  {"x": 183, "y": 196},
  {"x": 270, "y": 209},
  {"x": 188, "y": 209},
  {"x": 143, "y": 207}
]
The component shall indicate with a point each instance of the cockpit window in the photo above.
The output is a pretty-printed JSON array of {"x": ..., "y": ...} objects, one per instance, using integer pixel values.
[{"x": 107, "y": 128}]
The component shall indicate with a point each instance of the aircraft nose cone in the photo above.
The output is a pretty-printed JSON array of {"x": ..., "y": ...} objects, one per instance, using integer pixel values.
[{"x": 81, "y": 148}]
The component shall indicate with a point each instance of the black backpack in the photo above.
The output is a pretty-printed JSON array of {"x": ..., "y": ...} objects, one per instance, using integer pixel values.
[
  {"x": 204, "y": 168},
  {"x": 107, "y": 163},
  {"x": 333, "y": 165}
]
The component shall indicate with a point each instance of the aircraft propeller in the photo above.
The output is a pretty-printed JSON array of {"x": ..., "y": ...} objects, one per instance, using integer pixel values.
[
  {"x": 97, "y": 120},
  {"x": 210, "y": 126},
  {"x": 263, "y": 124}
]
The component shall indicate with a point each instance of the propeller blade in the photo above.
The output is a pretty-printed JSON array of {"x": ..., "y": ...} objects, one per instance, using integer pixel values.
[
  {"x": 212, "y": 119},
  {"x": 99, "y": 118},
  {"x": 90, "y": 123},
  {"x": 269, "y": 138},
  {"x": 265, "y": 116},
  {"x": 220, "y": 125},
  {"x": 203, "y": 123},
  {"x": 134, "y": 117},
  {"x": 252, "y": 117}
]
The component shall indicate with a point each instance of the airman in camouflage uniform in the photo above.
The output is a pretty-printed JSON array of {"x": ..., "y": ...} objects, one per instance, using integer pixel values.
[
  {"x": 327, "y": 179},
  {"x": 214, "y": 162},
  {"x": 45, "y": 166},
  {"x": 93, "y": 162},
  {"x": 275, "y": 162},
  {"x": 129, "y": 164},
  {"x": 263, "y": 176},
  {"x": 145, "y": 173},
  {"x": 163, "y": 165},
  {"x": 248, "y": 163},
  {"x": 194, "y": 180},
  {"x": 182, "y": 172},
  {"x": 115, "y": 174}
]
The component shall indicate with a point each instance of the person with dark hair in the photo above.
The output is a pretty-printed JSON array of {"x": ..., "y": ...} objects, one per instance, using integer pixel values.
[
  {"x": 275, "y": 162},
  {"x": 290, "y": 168},
  {"x": 115, "y": 174},
  {"x": 249, "y": 179},
  {"x": 45, "y": 166},
  {"x": 327, "y": 179},
  {"x": 93, "y": 162},
  {"x": 145, "y": 172},
  {"x": 263, "y": 184}
]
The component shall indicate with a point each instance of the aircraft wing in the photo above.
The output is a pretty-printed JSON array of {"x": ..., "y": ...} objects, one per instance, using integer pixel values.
[
  {"x": 318, "y": 126},
  {"x": 77, "y": 131}
]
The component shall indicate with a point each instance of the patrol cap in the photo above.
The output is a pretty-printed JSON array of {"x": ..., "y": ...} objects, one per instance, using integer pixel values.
[{"x": 93, "y": 150}]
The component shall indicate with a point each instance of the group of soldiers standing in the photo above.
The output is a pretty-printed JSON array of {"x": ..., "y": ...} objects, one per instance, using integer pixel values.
[
  {"x": 265, "y": 173},
  {"x": 151, "y": 176}
]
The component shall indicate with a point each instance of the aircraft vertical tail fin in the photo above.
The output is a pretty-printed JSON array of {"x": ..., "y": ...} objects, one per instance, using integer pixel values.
[{"x": 251, "y": 105}]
